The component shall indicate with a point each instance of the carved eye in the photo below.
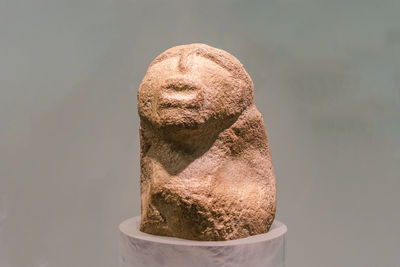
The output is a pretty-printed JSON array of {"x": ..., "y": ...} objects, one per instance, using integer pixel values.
[
  {"x": 181, "y": 87},
  {"x": 180, "y": 84}
]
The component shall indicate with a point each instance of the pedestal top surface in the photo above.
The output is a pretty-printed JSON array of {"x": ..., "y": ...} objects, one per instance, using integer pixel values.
[{"x": 131, "y": 228}]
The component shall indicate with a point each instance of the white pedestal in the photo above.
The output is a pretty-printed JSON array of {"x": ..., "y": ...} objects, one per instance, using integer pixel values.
[{"x": 138, "y": 249}]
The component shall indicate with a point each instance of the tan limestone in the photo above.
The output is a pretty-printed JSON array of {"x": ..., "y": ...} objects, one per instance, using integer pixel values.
[{"x": 206, "y": 171}]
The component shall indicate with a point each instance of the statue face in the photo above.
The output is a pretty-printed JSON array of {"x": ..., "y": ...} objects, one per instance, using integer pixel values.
[{"x": 189, "y": 94}]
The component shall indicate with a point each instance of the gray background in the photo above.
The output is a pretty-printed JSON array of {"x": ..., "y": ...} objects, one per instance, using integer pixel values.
[{"x": 327, "y": 81}]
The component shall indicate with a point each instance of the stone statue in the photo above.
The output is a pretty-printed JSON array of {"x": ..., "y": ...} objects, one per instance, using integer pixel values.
[{"x": 206, "y": 171}]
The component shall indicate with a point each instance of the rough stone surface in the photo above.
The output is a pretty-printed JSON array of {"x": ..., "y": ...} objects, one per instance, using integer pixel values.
[{"x": 206, "y": 171}]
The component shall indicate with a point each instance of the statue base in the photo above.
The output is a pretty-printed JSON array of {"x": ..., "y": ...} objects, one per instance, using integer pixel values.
[{"x": 138, "y": 249}]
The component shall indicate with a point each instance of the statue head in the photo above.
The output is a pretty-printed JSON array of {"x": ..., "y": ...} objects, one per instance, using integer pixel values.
[{"x": 194, "y": 88}]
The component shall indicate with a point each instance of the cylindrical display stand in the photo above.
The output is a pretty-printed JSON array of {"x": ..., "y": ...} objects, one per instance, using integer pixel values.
[{"x": 138, "y": 249}]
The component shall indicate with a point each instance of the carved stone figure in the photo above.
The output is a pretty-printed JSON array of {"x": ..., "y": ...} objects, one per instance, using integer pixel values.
[{"x": 206, "y": 171}]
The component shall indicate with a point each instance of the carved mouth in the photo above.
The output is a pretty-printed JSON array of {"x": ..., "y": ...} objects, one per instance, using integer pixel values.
[
  {"x": 180, "y": 93},
  {"x": 171, "y": 102}
]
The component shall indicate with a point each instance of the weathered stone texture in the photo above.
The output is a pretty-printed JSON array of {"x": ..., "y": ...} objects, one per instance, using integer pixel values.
[{"x": 206, "y": 171}]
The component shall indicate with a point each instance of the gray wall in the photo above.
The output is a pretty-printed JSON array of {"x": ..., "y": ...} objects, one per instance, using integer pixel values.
[{"x": 327, "y": 79}]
